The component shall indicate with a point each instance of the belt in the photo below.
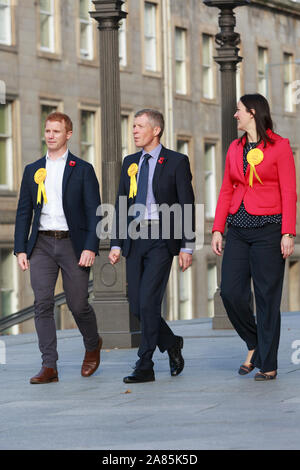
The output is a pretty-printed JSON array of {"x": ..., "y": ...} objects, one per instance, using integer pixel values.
[
  {"x": 147, "y": 222},
  {"x": 58, "y": 234}
]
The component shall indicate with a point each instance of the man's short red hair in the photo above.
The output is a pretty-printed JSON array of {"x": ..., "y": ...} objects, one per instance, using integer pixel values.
[{"x": 60, "y": 117}]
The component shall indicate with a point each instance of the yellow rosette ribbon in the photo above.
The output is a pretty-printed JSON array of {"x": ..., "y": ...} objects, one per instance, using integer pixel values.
[
  {"x": 254, "y": 157},
  {"x": 39, "y": 178},
  {"x": 132, "y": 171}
]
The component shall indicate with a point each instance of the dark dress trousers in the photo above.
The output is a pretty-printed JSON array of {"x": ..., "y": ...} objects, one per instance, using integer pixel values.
[
  {"x": 48, "y": 255},
  {"x": 148, "y": 261}
]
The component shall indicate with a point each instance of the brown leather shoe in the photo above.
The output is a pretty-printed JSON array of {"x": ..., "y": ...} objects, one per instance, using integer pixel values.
[
  {"x": 45, "y": 376},
  {"x": 91, "y": 361}
]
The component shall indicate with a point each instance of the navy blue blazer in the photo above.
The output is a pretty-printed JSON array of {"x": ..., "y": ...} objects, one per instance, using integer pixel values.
[
  {"x": 80, "y": 201},
  {"x": 172, "y": 184}
]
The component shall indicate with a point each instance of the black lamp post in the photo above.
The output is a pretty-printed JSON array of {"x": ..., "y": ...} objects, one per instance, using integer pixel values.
[
  {"x": 117, "y": 326},
  {"x": 228, "y": 58}
]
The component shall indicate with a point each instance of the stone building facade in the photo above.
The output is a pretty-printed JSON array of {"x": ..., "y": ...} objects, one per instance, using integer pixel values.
[{"x": 49, "y": 60}]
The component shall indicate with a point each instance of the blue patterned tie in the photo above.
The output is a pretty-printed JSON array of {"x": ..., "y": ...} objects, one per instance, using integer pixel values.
[{"x": 142, "y": 189}]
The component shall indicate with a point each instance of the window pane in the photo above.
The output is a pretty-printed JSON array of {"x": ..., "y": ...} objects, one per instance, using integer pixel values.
[
  {"x": 84, "y": 42},
  {"x": 3, "y": 166},
  {"x": 150, "y": 37},
  {"x": 86, "y": 30},
  {"x": 179, "y": 44},
  {"x": 45, "y": 5},
  {"x": 3, "y": 119},
  {"x": 45, "y": 31},
  {"x": 125, "y": 130},
  {"x": 45, "y": 111},
  {"x": 47, "y": 24},
  {"x": 288, "y": 78},
  {"x": 207, "y": 66},
  {"x": 183, "y": 146},
  {"x": 122, "y": 43},
  {"x": 180, "y": 58},
  {"x": 87, "y": 136},
  {"x": 210, "y": 180},
  {"x": 206, "y": 54},
  {"x": 84, "y": 7},
  {"x": 6, "y": 146},
  {"x": 5, "y": 22},
  {"x": 150, "y": 19}
]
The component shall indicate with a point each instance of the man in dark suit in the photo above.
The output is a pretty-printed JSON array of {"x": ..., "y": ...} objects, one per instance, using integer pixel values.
[
  {"x": 62, "y": 193},
  {"x": 153, "y": 180}
]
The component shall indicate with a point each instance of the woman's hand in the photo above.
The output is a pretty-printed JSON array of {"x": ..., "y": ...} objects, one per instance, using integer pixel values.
[
  {"x": 216, "y": 243},
  {"x": 287, "y": 246}
]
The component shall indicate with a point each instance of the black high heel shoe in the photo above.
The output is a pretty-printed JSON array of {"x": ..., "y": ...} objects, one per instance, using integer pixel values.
[
  {"x": 261, "y": 376},
  {"x": 244, "y": 370}
]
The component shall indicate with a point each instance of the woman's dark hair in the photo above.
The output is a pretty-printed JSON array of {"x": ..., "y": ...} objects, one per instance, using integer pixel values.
[{"x": 259, "y": 108}]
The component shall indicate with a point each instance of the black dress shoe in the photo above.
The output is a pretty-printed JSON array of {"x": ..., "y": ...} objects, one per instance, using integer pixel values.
[
  {"x": 175, "y": 357},
  {"x": 139, "y": 376}
]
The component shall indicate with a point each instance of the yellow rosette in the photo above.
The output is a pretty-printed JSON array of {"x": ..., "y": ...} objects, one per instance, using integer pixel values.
[
  {"x": 254, "y": 157},
  {"x": 132, "y": 171},
  {"x": 39, "y": 178}
]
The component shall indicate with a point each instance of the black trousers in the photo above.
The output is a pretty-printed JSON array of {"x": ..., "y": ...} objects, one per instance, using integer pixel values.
[
  {"x": 254, "y": 254},
  {"x": 148, "y": 267}
]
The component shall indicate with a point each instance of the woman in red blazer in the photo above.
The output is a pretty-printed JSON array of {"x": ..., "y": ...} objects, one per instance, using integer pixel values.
[{"x": 258, "y": 201}]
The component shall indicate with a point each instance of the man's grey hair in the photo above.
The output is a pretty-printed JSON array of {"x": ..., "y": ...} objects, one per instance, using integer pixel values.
[{"x": 155, "y": 117}]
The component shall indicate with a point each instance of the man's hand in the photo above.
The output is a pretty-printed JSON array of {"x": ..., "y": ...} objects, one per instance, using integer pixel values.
[
  {"x": 287, "y": 246},
  {"x": 185, "y": 260},
  {"x": 87, "y": 259},
  {"x": 216, "y": 243},
  {"x": 114, "y": 255},
  {"x": 23, "y": 261}
]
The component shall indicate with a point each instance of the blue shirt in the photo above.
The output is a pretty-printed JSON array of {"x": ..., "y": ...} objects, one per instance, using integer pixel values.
[{"x": 151, "y": 212}]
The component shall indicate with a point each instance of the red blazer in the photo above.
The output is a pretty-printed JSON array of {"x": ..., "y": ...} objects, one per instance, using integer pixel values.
[{"x": 277, "y": 194}]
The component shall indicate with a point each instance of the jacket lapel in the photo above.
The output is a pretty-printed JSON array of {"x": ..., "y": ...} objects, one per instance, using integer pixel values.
[
  {"x": 160, "y": 164},
  {"x": 67, "y": 172},
  {"x": 41, "y": 165},
  {"x": 239, "y": 159},
  {"x": 135, "y": 159}
]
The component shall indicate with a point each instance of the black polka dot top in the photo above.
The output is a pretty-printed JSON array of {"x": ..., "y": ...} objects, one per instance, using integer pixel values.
[{"x": 242, "y": 218}]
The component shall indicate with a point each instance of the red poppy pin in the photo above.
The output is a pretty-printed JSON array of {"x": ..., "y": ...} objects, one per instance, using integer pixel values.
[
  {"x": 161, "y": 160},
  {"x": 72, "y": 163}
]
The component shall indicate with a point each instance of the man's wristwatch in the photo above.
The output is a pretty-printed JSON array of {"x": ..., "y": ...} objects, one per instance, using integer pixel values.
[{"x": 290, "y": 235}]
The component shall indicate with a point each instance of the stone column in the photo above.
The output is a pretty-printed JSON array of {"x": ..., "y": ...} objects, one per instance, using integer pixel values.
[
  {"x": 227, "y": 40},
  {"x": 117, "y": 326}
]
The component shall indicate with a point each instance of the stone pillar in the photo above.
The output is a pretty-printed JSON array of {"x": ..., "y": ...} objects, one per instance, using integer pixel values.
[
  {"x": 227, "y": 40},
  {"x": 117, "y": 326}
]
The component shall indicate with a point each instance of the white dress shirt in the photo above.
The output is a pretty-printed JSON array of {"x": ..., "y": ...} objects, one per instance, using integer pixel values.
[{"x": 52, "y": 214}]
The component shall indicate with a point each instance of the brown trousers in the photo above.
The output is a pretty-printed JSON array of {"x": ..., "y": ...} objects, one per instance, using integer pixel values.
[{"x": 48, "y": 257}]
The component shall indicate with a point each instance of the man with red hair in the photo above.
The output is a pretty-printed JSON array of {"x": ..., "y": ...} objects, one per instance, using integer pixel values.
[{"x": 61, "y": 192}]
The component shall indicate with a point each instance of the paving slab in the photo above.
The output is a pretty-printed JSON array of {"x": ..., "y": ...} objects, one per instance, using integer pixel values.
[{"x": 208, "y": 407}]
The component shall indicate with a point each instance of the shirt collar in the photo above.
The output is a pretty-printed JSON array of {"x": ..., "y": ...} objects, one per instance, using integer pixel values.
[
  {"x": 63, "y": 157},
  {"x": 154, "y": 152}
]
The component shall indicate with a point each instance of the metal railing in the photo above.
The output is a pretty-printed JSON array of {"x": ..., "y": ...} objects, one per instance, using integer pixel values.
[{"x": 28, "y": 313}]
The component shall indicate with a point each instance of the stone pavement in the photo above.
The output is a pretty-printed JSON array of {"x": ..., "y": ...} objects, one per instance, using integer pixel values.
[{"x": 209, "y": 406}]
